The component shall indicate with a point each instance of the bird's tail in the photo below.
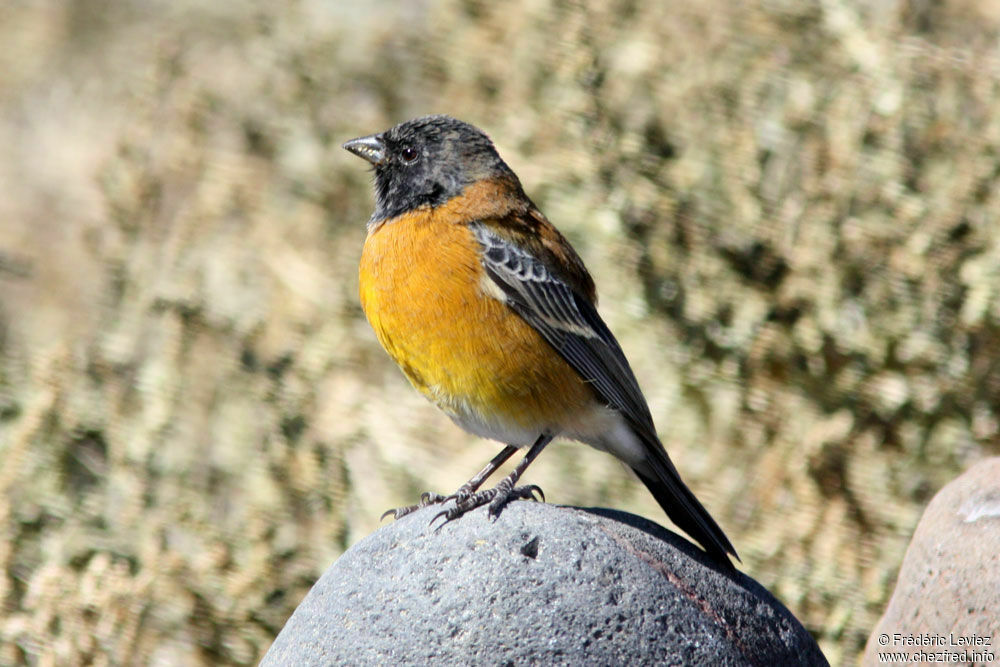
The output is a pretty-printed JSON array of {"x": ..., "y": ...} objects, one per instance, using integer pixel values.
[{"x": 664, "y": 482}]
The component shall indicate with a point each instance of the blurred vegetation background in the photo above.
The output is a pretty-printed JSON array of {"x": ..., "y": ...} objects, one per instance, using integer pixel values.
[{"x": 789, "y": 209}]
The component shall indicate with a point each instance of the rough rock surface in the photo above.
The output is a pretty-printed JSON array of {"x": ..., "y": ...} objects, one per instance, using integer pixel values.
[
  {"x": 947, "y": 597},
  {"x": 542, "y": 584}
]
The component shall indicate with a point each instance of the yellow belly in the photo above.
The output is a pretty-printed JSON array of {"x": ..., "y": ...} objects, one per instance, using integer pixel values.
[{"x": 422, "y": 290}]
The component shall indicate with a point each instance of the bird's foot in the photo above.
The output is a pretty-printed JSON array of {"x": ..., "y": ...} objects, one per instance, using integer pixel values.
[
  {"x": 466, "y": 500},
  {"x": 426, "y": 498}
]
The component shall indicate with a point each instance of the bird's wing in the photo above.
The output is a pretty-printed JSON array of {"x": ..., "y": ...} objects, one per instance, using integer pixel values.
[
  {"x": 570, "y": 323},
  {"x": 567, "y": 321}
]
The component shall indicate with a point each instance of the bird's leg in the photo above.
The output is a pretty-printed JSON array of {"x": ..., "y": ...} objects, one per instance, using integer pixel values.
[
  {"x": 503, "y": 492},
  {"x": 463, "y": 492}
]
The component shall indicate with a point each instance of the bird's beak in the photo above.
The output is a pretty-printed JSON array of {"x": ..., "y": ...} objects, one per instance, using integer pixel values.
[{"x": 370, "y": 148}]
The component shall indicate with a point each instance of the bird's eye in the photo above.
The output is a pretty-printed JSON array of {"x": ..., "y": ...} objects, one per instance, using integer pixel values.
[{"x": 409, "y": 154}]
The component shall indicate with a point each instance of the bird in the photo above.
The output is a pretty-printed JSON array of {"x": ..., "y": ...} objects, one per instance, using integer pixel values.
[{"x": 491, "y": 314}]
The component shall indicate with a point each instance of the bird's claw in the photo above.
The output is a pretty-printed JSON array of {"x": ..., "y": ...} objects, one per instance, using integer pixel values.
[
  {"x": 496, "y": 498},
  {"x": 467, "y": 500},
  {"x": 426, "y": 498}
]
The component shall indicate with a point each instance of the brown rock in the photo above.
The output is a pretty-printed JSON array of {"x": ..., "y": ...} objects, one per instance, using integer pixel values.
[{"x": 947, "y": 598}]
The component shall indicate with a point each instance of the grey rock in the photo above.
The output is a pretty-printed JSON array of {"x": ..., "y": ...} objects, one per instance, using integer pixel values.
[
  {"x": 542, "y": 584},
  {"x": 947, "y": 596}
]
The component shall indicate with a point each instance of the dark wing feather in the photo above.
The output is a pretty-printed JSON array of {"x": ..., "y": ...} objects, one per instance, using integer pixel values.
[
  {"x": 567, "y": 321},
  {"x": 570, "y": 323}
]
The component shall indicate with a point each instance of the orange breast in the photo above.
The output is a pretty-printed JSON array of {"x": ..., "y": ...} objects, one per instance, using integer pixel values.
[{"x": 421, "y": 289}]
